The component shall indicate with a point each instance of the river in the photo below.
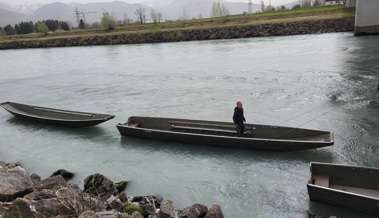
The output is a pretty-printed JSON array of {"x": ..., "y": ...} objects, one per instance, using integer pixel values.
[{"x": 326, "y": 81}]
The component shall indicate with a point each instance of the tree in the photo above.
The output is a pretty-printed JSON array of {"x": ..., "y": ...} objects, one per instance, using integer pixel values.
[
  {"x": 64, "y": 25},
  {"x": 305, "y": 3},
  {"x": 219, "y": 10},
  {"x": 184, "y": 16},
  {"x": 9, "y": 30},
  {"x": 107, "y": 21},
  {"x": 42, "y": 28},
  {"x": 297, "y": 6},
  {"x": 316, "y": 3},
  {"x": 200, "y": 16},
  {"x": 140, "y": 12},
  {"x": 2, "y": 32},
  {"x": 263, "y": 8},
  {"x": 154, "y": 16},
  {"x": 160, "y": 17},
  {"x": 81, "y": 24}
]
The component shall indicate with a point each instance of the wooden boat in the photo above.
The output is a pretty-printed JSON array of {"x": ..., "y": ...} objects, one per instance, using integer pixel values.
[
  {"x": 257, "y": 137},
  {"x": 55, "y": 116},
  {"x": 350, "y": 187}
]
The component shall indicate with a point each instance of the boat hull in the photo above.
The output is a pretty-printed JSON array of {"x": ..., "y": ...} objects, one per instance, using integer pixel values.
[
  {"x": 226, "y": 140},
  {"x": 349, "y": 187},
  {"x": 51, "y": 116}
]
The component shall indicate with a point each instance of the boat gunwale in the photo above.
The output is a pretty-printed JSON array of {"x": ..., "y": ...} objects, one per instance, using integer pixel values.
[
  {"x": 343, "y": 192},
  {"x": 125, "y": 125},
  {"x": 342, "y": 165},
  {"x": 84, "y": 114}
]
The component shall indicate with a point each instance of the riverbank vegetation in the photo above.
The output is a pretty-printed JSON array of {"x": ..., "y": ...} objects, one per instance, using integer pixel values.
[{"x": 272, "y": 17}]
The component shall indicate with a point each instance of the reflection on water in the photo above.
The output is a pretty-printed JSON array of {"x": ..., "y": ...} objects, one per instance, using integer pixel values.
[{"x": 325, "y": 81}]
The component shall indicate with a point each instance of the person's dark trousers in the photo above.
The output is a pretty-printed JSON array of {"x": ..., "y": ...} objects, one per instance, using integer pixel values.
[{"x": 240, "y": 129}]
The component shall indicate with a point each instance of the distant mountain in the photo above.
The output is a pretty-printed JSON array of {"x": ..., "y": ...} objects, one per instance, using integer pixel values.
[
  {"x": 12, "y": 18},
  {"x": 26, "y": 8},
  {"x": 55, "y": 11}
]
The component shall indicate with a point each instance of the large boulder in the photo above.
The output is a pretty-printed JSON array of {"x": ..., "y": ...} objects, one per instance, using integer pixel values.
[
  {"x": 21, "y": 208},
  {"x": 100, "y": 186},
  {"x": 54, "y": 183},
  {"x": 194, "y": 211},
  {"x": 64, "y": 173},
  {"x": 14, "y": 183},
  {"x": 121, "y": 186},
  {"x": 167, "y": 210},
  {"x": 214, "y": 212}
]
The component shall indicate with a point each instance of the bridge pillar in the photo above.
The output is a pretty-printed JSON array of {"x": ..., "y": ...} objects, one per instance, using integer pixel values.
[{"x": 366, "y": 18}]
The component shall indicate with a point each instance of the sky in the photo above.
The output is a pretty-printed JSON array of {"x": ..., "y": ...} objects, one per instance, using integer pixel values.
[{"x": 274, "y": 2}]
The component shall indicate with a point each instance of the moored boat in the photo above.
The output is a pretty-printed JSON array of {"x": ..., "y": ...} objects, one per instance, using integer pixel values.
[
  {"x": 55, "y": 116},
  {"x": 257, "y": 137},
  {"x": 351, "y": 187}
]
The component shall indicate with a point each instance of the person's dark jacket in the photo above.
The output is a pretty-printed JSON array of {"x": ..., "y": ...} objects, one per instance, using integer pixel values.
[{"x": 238, "y": 117}]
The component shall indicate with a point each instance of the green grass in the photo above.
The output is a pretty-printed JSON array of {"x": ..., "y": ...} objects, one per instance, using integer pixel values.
[{"x": 284, "y": 16}]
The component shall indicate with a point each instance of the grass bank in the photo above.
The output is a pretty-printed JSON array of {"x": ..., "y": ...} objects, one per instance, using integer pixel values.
[{"x": 174, "y": 30}]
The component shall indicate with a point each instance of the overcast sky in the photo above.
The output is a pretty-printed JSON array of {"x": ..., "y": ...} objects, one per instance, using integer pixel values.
[{"x": 274, "y": 2}]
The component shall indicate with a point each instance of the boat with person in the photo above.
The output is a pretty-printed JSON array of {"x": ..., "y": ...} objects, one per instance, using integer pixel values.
[
  {"x": 201, "y": 132},
  {"x": 75, "y": 119},
  {"x": 346, "y": 186}
]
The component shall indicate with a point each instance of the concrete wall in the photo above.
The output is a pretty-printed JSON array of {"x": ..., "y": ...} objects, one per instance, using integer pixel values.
[{"x": 367, "y": 17}]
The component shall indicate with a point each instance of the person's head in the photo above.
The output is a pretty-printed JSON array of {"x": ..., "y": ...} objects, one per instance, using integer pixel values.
[{"x": 239, "y": 104}]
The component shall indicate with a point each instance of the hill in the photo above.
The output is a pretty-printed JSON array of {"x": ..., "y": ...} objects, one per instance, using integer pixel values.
[{"x": 12, "y": 18}]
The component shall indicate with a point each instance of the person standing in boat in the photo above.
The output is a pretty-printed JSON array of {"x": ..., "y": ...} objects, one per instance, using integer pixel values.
[{"x": 239, "y": 119}]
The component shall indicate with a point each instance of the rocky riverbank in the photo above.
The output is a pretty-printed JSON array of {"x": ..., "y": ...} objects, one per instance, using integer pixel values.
[
  {"x": 227, "y": 32},
  {"x": 26, "y": 195}
]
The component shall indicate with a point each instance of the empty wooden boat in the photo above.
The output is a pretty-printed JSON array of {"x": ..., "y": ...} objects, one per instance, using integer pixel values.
[
  {"x": 55, "y": 116},
  {"x": 257, "y": 137},
  {"x": 351, "y": 187}
]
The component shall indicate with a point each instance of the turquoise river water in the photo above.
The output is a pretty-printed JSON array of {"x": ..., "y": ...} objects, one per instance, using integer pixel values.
[{"x": 326, "y": 81}]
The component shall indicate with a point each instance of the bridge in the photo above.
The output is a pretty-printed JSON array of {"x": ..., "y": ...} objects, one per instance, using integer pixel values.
[{"x": 366, "y": 16}]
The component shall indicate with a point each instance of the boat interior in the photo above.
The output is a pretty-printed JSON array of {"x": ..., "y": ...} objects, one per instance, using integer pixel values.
[
  {"x": 362, "y": 181},
  {"x": 228, "y": 129},
  {"x": 31, "y": 110}
]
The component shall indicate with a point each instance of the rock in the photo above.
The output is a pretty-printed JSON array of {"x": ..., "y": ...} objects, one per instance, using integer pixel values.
[
  {"x": 54, "y": 183},
  {"x": 214, "y": 212},
  {"x": 99, "y": 185},
  {"x": 15, "y": 183},
  {"x": 40, "y": 194},
  {"x": 167, "y": 210},
  {"x": 112, "y": 214},
  {"x": 194, "y": 211},
  {"x": 114, "y": 203},
  {"x": 13, "y": 165},
  {"x": 120, "y": 186},
  {"x": 123, "y": 197},
  {"x": 136, "y": 214},
  {"x": 70, "y": 198},
  {"x": 20, "y": 208},
  {"x": 89, "y": 214},
  {"x": 148, "y": 209},
  {"x": 36, "y": 179},
  {"x": 52, "y": 208},
  {"x": 64, "y": 173},
  {"x": 155, "y": 200}
]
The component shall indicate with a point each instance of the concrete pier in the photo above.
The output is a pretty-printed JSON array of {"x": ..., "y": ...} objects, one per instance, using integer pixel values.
[{"x": 367, "y": 18}]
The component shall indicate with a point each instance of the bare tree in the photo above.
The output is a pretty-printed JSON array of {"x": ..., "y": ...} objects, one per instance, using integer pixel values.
[
  {"x": 263, "y": 8},
  {"x": 160, "y": 17},
  {"x": 140, "y": 12},
  {"x": 154, "y": 16}
]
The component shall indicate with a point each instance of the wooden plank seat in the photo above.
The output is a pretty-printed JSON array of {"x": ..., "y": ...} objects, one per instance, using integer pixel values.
[
  {"x": 209, "y": 127},
  {"x": 202, "y": 129},
  {"x": 205, "y": 125}
]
